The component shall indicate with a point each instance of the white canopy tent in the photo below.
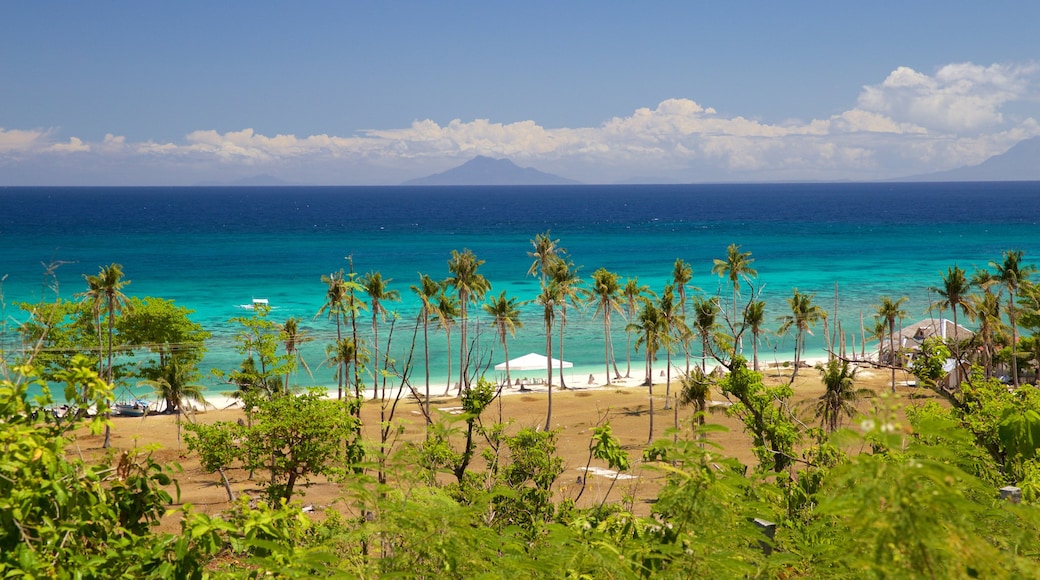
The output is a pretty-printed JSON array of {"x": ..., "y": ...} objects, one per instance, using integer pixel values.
[{"x": 532, "y": 362}]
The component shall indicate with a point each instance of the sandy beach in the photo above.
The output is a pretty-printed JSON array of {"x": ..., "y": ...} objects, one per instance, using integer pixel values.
[{"x": 576, "y": 411}]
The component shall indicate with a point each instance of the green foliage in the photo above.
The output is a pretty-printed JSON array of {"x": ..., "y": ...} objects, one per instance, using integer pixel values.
[
  {"x": 259, "y": 340},
  {"x": 765, "y": 416},
  {"x": 927, "y": 366},
  {"x": 292, "y": 436},
  {"x": 60, "y": 518}
]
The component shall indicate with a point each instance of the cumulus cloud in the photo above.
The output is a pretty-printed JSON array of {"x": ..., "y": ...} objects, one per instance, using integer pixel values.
[
  {"x": 959, "y": 98},
  {"x": 910, "y": 122}
]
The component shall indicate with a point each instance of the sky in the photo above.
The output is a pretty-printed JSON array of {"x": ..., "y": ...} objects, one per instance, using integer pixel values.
[{"x": 374, "y": 93}]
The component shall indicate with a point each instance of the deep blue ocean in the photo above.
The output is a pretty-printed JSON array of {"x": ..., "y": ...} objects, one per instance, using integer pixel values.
[{"x": 213, "y": 249}]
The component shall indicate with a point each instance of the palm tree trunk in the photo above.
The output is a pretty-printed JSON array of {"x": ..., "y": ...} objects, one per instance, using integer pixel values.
[
  {"x": 426, "y": 355},
  {"x": 650, "y": 384},
  {"x": 606, "y": 344},
  {"x": 563, "y": 323},
  {"x": 1014, "y": 339},
  {"x": 548, "y": 350}
]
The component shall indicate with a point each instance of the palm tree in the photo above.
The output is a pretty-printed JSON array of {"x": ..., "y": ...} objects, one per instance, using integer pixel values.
[
  {"x": 545, "y": 249},
  {"x": 505, "y": 313},
  {"x": 695, "y": 387},
  {"x": 804, "y": 315},
  {"x": 470, "y": 286},
  {"x": 377, "y": 291},
  {"x": 985, "y": 310},
  {"x": 427, "y": 291},
  {"x": 890, "y": 310},
  {"x": 94, "y": 295},
  {"x": 840, "y": 396},
  {"x": 109, "y": 284},
  {"x": 755, "y": 317},
  {"x": 335, "y": 306},
  {"x": 565, "y": 276},
  {"x": 635, "y": 293},
  {"x": 293, "y": 337},
  {"x": 953, "y": 294},
  {"x": 341, "y": 355},
  {"x": 547, "y": 298},
  {"x": 737, "y": 265},
  {"x": 650, "y": 328},
  {"x": 672, "y": 327},
  {"x": 606, "y": 289},
  {"x": 705, "y": 311},
  {"x": 173, "y": 385},
  {"x": 1011, "y": 273},
  {"x": 447, "y": 316},
  {"x": 682, "y": 273}
]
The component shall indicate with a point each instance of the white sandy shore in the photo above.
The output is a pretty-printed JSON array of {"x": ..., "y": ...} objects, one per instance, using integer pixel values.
[{"x": 574, "y": 382}]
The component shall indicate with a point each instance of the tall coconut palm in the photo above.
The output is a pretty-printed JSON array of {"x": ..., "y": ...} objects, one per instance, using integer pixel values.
[
  {"x": 109, "y": 283},
  {"x": 427, "y": 291},
  {"x": 673, "y": 328},
  {"x": 682, "y": 273},
  {"x": 95, "y": 297},
  {"x": 547, "y": 299},
  {"x": 705, "y": 313},
  {"x": 891, "y": 310},
  {"x": 953, "y": 294},
  {"x": 447, "y": 317},
  {"x": 470, "y": 286},
  {"x": 650, "y": 329},
  {"x": 340, "y": 356},
  {"x": 635, "y": 294},
  {"x": 505, "y": 314},
  {"x": 606, "y": 290},
  {"x": 1011, "y": 273},
  {"x": 335, "y": 306},
  {"x": 755, "y": 317},
  {"x": 545, "y": 249},
  {"x": 293, "y": 337},
  {"x": 378, "y": 292},
  {"x": 985, "y": 311},
  {"x": 565, "y": 276},
  {"x": 804, "y": 315},
  {"x": 840, "y": 395},
  {"x": 736, "y": 266}
]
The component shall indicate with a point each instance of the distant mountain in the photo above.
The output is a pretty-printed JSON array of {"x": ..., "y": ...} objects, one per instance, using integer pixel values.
[
  {"x": 487, "y": 171},
  {"x": 1020, "y": 163},
  {"x": 252, "y": 181}
]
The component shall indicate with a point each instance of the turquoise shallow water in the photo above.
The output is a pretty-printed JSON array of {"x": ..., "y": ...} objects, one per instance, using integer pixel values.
[{"x": 212, "y": 249}]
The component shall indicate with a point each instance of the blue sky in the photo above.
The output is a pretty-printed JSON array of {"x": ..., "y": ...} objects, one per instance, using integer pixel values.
[{"x": 602, "y": 92}]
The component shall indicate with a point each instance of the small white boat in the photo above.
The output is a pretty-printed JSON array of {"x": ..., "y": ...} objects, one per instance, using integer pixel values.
[
  {"x": 256, "y": 302},
  {"x": 136, "y": 408}
]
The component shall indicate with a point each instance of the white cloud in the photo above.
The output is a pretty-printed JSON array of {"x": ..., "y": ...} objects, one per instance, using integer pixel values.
[
  {"x": 910, "y": 122},
  {"x": 959, "y": 98}
]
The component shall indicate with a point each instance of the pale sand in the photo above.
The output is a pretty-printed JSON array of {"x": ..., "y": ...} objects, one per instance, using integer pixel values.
[{"x": 576, "y": 412}]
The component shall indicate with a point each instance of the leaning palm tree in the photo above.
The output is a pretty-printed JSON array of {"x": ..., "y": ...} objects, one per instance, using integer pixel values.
[
  {"x": 95, "y": 297},
  {"x": 635, "y": 294},
  {"x": 109, "y": 284},
  {"x": 470, "y": 286},
  {"x": 804, "y": 315},
  {"x": 427, "y": 291},
  {"x": 378, "y": 292},
  {"x": 1011, "y": 273},
  {"x": 649, "y": 327},
  {"x": 889, "y": 311},
  {"x": 547, "y": 299},
  {"x": 606, "y": 290},
  {"x": 565, "y": 276},
  {"x": 953, "y": 294},
  {"x": 293, "y": 337},
  {"x": 505, "y": 314},
  {"x": 755, "y": 317},
  {"x": 840, "y": 395}
]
